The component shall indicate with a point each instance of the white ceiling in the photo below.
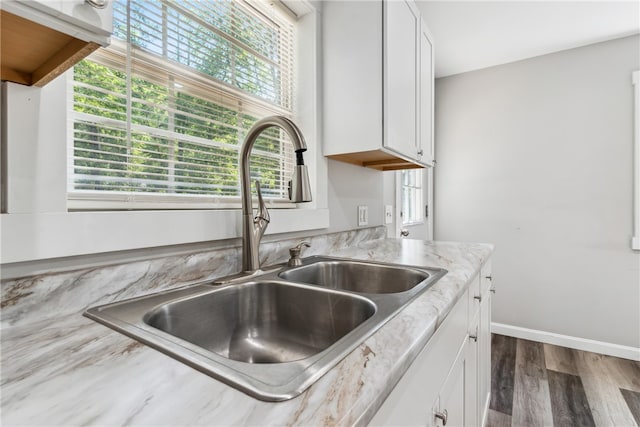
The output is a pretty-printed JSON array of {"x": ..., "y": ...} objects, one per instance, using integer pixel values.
[{"x": 470, "y": 35}]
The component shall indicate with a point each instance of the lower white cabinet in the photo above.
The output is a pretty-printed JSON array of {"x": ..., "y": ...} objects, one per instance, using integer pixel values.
[
  {"x": 484, "y": 341},
  {"x": 479, "y": 353},
  {"x": 449, "y": 383},
  {"x": 451, "y": 406},
  {"x": 472, "y": 378}
]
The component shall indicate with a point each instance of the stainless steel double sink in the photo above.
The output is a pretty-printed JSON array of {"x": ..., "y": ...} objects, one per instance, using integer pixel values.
[{"x": 271, "y": 335}]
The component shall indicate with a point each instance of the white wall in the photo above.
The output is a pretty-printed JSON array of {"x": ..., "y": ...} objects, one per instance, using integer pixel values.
[
  {"x": 349, "y": 187},
  {"x": 536, "y": 157}
]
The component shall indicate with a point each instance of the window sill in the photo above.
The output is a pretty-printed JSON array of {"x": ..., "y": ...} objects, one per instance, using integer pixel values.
[
  {"x": 29, "y": 237},
  {"x": 411, "y": 224}
]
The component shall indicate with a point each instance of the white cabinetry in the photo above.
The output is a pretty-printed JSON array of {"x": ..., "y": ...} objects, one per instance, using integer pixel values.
[
  {"x": 472, "y": 378},
  {"x": 426, "y": 384},
  {"x": 378, "y": 84},
  {"x": 451, "y": 378},
  {"x": 451, "y": 406},
  {"x": 427, "y": 73},
  {"x": 42, "y": 39},
  {"x": 484, "y": 343},
  {"x": 479, "y": 354},
  {"x": 91, "y": 21},
  {"x": 402, "y": 24}
]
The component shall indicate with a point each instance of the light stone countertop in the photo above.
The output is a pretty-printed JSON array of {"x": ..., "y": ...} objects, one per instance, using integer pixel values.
[{"x": 69, "y": 370}]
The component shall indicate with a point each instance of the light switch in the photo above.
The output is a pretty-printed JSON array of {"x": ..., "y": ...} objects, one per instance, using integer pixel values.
[
  {"x": 388, "y": 214},
  {"x": 363, "y": 215}
]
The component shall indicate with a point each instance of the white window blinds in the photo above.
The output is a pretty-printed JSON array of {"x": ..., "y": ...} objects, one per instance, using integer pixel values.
[{"x": 160, "y": 115}]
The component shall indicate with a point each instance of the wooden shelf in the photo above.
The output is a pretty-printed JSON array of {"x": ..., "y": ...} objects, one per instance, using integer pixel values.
[
  {"x": 33, "y": 54},
  {"x": 376, "y": 159}
]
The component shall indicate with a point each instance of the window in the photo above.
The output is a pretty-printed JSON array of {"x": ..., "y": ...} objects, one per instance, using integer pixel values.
[
  {"x": 159, "y": 116},
  {"x": 411, "y": 188},
  {"x": 69, "y": 227}
]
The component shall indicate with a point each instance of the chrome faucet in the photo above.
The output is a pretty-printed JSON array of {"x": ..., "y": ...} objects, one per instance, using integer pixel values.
[{"x": 253, "y": 227}]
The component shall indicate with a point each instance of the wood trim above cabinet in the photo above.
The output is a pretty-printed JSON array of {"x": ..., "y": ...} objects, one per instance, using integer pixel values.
[
  {"x": 376, "y": 159},
  {"x": 33, "y": 55}
]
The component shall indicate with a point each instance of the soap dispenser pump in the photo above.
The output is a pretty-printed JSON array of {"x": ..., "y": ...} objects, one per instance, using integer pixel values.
[{"x": 294, "y": 253}]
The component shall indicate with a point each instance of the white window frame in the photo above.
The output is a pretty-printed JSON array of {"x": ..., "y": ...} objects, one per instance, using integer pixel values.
[
  {"x": 114, "y": 200},
  {"x": 418, "y": 189},
  {"x": 36, "y": 223}
]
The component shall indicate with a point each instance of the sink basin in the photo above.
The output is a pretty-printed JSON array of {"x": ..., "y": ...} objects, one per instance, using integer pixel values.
[
  {"x": 356, "y": 276},
  {"x": 271, "y": 335},
  {"x": 262, "y": 322}
]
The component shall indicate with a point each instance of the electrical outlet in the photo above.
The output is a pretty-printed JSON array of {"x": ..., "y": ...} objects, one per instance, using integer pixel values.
[
  {"x": 388, "y": 214},
  {"x": 363, "y": 216}
]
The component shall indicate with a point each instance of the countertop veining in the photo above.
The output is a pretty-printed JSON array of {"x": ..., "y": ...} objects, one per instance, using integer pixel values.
[{"x": 69, "y": 370}]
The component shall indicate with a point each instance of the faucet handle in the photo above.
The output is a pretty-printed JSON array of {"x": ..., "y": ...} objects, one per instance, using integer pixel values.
[
  {"x": 263, "y": 212},
  {"x": 300, "y": 245}
]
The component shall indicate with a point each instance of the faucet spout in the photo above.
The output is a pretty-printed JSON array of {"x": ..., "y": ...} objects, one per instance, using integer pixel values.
[{"x": 253, "y": 228}]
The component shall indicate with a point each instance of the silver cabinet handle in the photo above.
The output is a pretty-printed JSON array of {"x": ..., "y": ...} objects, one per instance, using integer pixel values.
[
  {"x": 442, "y": 415},
  {"x": 478, "y": 297},
  {"x": 98, "y": 4},
  {"x": 420, "y": 152},
  {"x": 488, "y": 277},
  {"x": 492, "y": 290},
  {"x": 474, "y": 337},
  {"x": 404, "y": 233}
]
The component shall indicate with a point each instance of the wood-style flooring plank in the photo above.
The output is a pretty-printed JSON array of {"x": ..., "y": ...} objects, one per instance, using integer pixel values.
[
  {"x": 560, "y": 359},
  {"x": 550, "y": 385},
  {"x": 498, "y": 419},
  {"x": 608, "y": 407},
  {"x": 531, "y": 401},
  {"x": 633, "y": 402},
  {"x": 625, "y": 373},
  {"x": 569, "y": 403},
  {"x": 503, "y": 365}
]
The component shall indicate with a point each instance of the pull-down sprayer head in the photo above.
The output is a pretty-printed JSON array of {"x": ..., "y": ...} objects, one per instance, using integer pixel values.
[{"x": 299, "y": 187}]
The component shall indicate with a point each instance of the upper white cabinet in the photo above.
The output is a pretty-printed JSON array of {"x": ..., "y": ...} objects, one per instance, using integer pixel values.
[
  {"x": 42, "y": 39},
  {"x": 378, "y": 84},
  {"x": 427, "y": 73},
  {"x": 401, "y": 83}
]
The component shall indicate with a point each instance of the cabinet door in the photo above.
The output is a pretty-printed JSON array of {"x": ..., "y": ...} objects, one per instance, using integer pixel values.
[
  {"x": 452, "y": 400},
  {"x": 418, "y": 392},
  {"x": 401, "y": 29},
  {"x": 473, "y": 374},
  {"x": 484, "y": 359},
  {"x": 426, "y": 95},
  {"x": 85, "y": 14},
  {"x": 77, "y": 18}
]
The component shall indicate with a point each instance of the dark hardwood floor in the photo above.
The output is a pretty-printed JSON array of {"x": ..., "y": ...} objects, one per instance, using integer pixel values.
[{"x": 535, "y": 384}]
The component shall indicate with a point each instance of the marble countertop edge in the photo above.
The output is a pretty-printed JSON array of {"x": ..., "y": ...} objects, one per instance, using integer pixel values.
[{"x": 48, "y": 366}]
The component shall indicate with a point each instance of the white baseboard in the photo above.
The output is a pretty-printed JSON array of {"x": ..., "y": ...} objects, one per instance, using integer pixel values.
[{"x": 600, "y": 347}]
